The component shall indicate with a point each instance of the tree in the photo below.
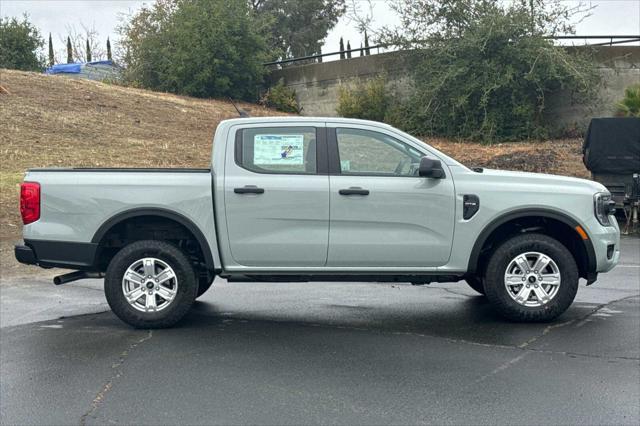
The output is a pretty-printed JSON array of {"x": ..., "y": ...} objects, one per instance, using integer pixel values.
[
  {"x": 348, "y": 49},
  {"x": 483, "y": 69},
  {"x": 109, "y": 57},
  {"x": 298, "y": 27},
  {"x": 88, "y": 51},
  {"x": 341, "y": 48},
  {"x": 51, "y": 56},
  {"x": 20, "y": 43},
  {"x": 196, "y": 47},
  {"x": 69, "y": 51},
  {"x": 366, "y": 43},
  {"x": 85, "y": 43}
]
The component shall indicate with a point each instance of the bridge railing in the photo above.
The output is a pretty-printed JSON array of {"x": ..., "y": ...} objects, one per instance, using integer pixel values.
[{"x": 610, "y": 40}]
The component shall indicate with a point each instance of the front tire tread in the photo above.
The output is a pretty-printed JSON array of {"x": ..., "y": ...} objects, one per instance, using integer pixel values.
[{"x": 494, "y": 279}]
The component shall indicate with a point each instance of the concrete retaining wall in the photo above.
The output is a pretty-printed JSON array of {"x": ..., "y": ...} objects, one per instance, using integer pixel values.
[{"x": 317, "y": 85}]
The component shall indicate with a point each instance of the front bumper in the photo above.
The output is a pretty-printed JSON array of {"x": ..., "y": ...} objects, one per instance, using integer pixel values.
[{"x": 606, "y": 244}]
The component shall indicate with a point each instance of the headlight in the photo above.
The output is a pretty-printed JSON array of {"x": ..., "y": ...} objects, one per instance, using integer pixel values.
[{"x": 603, "y": 206}]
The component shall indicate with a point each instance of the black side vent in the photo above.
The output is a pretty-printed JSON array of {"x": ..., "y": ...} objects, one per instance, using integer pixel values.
[{"x": 470, "y": 206}]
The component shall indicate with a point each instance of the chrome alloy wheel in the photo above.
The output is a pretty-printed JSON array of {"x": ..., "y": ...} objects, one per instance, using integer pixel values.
[
  {"x": 532, "y": 279},
  {"x": 149, "y": 284}
]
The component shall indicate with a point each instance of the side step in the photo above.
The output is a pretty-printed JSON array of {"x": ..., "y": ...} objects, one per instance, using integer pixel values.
[
  {"x": 75, "y": 276},
  {"x": 416, "y": 279}
]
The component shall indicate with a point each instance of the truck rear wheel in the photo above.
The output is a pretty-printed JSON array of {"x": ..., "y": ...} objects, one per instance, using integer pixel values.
[
  {"x": 150, "y": 284},
  {"x": 531, "y": 278}
]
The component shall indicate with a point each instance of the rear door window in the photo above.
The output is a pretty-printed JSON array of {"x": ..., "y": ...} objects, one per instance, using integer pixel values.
[{"x": 286, "y": 150}]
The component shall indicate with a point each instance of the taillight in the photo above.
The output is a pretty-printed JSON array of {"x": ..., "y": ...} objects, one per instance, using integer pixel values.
[{"x": 30, "y": 202}]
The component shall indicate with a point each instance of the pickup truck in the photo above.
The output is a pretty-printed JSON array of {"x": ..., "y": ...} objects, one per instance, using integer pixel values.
[{"x": 318, "y": 199}]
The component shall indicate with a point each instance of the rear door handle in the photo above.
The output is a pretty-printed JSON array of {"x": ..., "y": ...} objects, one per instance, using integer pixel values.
[
  {"x": 354, "y": 190},
  {"x": 249, "y": 189}
]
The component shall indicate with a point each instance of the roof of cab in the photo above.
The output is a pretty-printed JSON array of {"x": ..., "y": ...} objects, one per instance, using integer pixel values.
[{"x": 296, "y": 118}]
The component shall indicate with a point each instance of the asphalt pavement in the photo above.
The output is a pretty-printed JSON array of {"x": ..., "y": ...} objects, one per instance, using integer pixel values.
[{"x": 331, "y": 353}]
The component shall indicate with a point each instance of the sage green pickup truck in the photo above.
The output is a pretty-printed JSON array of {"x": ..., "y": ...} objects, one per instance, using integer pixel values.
[{"x": 318, "y": 199}]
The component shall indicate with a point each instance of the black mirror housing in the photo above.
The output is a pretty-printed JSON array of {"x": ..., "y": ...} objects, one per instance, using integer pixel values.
[{"x": 431, "y": 168}]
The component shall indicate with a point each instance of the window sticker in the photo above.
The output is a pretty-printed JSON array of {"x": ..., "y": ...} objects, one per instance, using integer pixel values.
[
  {"x": 345, "y": 165},
  {"x": 278, "y": 149}
]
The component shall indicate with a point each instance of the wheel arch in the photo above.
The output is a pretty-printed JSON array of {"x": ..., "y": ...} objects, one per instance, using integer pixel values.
[
  {"x": 178, "y": 218},
  {"x": 586, "y": 260}
]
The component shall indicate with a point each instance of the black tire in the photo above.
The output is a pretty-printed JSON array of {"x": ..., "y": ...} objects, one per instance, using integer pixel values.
[
  {"x": 496, "y": 290},
  {"x": 172, "y": 256},
  {"x": 476, "y": 283},
  {"x": 204, "y": 283}
]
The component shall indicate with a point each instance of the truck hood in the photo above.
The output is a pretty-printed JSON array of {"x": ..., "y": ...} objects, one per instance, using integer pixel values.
[{"x": 543, "y": 180}]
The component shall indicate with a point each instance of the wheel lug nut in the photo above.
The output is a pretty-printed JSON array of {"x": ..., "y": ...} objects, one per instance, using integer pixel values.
[
  {"x": 528, "y": 285},
  {"x": 524, "y": 279}
]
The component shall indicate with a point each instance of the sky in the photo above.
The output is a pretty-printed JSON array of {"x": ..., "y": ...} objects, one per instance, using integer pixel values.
[{"x": 620, "y": 17}]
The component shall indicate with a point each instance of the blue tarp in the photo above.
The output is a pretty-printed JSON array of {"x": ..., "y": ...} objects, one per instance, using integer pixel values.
[
  {"x": 64, "y": 68},
  {"x": 96, "y": 70},
  {"x": 73, "y": 68}
]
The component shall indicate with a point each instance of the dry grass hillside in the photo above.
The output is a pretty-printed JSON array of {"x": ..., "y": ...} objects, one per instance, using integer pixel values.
[{"x": 57, "y": 121}]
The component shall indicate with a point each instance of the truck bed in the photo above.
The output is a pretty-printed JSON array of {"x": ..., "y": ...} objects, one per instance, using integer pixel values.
[{"x": 79, "y": 204}]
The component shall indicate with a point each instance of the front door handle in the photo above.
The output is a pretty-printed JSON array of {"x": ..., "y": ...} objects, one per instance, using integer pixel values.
[
  {"x": 249, "y": 189},
  {"x": 354, "y": 190}
]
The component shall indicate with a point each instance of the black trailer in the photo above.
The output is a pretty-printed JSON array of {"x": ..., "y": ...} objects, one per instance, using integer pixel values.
[{"x": 611, "y": 152}]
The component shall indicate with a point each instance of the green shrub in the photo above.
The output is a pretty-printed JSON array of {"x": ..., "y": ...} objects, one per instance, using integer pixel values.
[
  {"x": 369, "y": 100},
  {"x": 629, "y": 106},
  {"x": 281, "y": 98},
  {"x": 483, "y": 69}
]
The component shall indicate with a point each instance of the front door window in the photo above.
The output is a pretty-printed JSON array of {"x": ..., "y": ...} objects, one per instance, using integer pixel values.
[{"x": 364, "y": 152}]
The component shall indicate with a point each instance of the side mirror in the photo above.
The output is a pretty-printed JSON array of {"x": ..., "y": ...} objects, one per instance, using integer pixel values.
[{"x": 431, "y": 168}]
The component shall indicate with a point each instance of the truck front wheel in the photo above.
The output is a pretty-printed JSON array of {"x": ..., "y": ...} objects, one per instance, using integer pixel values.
[
  {"x": 532, "y": 278},
  {"x": 476, "y": 283},
  {"x": 150, "y": 284},
  {"x": 204, "y": 283}
]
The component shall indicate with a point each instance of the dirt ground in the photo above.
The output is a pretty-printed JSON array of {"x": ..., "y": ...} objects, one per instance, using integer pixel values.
[
  {"x": 64, "y": 122},
  {"x": 559, "y": 156}
]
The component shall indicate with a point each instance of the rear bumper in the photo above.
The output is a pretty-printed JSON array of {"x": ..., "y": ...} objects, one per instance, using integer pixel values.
[
  {"x": 25, "y": 254},
  {"x": 57, "y": 254}
]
